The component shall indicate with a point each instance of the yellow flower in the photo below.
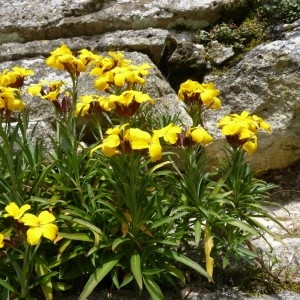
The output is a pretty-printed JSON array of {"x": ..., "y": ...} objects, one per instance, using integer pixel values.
[
  {"x": 63, "y": 59},
  {"x": 103, "y": 82},
  {"x": 205, "y": 93},
  {"x": 59, "y": 58},
  {"x": 140, "y": 139},
  {"x": 262, "y": 124},
  {"x": 110, "y": 144},
  {"x": 46, "y": 89},
  {"x": 122, "y": 75},
  {"x": 9, "y": 99},
  {"x": 106, "y": 103},
  {"x": 88, "y": 56},
  {"x": 209, "y": 96},
  {"x": 14, "y": 211},
  {"x": 82, "y": 107},
  {"x": 40, "y": 225},
  {"x": 14, "y": 78},
  {"x": 1, "y": 240},
  {"x": 128, "y": 102},
  {"x": 249, "y": 140},
  {"x": 241, "y": 130},
  {"x": 130, "y": 96},
  {"x": 169, "y": 133},
  {"x": 199, "y": 135},
  {"x": 22, "y": 72}
]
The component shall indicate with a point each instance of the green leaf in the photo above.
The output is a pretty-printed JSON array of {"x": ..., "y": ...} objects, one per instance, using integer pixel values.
[
  {"x": 197, "y": 233},
  {"x": 152, "y": 271},
  {"x": 75, "y": 236},
  {"x": 135, "y": 263},
  {"x": 153, "y": 289},
  {"x": 168, "y": 220},
  {"x": 6, "y": 285},
  {"x": 126, "y": 280},
  {"x": 240, "y": 224},
  {"x": 266, "y": 229},
  {"x": 44, "y": 276},
  {"x": 177, "y": 273},
  {"x": 98, "y": 275},
  {"x": 82, "y": 222},
  {"x": 184, "y": 260},
  {"x": 118, "y": 241}
]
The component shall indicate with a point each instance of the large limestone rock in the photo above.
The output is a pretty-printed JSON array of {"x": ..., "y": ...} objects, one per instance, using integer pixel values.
[
  {"x": 150, "y": 41},
  {"x": 39, "y": 20},
  {"x": 266, "y": 82}
]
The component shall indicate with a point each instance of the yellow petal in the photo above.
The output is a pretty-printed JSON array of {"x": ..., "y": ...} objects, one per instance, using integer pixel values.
[
  {"x": 30, "y": 220},
  {"x": 34, "y": 90},
  {"x": 12, "y": 209},
  {"x": 250, "y": 146},
  {"x": 50, "y": 231},
  {"x": 231, "y": 129},
  {"x": 108, "y": 151},
  {"x": 111, "y": 141},
  {"x": 201, "y": 136},
  {"x": 34, "y": 235},
  {"x": 155, "y": 151},
  {"x": 45, "y": 217}
]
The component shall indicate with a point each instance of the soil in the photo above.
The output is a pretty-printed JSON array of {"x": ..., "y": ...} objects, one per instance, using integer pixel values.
[{"x": 287, "y": 181}]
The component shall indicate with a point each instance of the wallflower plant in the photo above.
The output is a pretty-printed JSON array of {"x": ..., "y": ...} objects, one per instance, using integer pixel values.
[{"x": 130, "y": 205}]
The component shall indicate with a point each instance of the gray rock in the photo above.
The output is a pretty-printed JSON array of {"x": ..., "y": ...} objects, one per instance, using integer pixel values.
[
  {"x": 265, "y": 82},
  {"x": 219, "y": 53},
  {"x": 149, "y": 41},
  {"x": 35, "y": 20}
]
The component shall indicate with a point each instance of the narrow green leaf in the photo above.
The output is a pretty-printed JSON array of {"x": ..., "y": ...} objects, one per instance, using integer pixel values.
[
  {"x": 75, "y": 236},
  {"x": 82, "y": 222},
  {"x": 197, "y": 233},
  {"x": 177, "y": 273},
  {"x": 168, "y": 220},
  {"x": 7, "y": 285},
  {"x": 242, "y": 225},
  {"x": 266, "y": 229},
  {"x": 98, "y": 275},
  {"x": 118, "y": 241},
  {"x": 152, "y": 271},
  {"x": 184, "y": 260},
  {"x": 135, "y": 263},
  {"x": 126, "y": 280},
  {"x": 42, "y": 269},
  {"x": 153, "y": 289}
]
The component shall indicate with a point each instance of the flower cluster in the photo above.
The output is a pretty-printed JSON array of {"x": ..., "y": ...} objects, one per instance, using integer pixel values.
[
  {"x": 241, "y": 130},
  {"x": 115, "y": 75},
  {"x": 62, "y": 58},
  {"x": 11, "y": 82},
  {"x": 126, "y": 104},
  {"x": 36, "y": 227},
  {"x": 193, "y": 92},
  {"x": 121, "y": 139}
]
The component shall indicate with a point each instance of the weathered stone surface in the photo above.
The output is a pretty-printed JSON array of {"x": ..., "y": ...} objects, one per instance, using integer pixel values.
[
  {"x": 219, "y": 53},
  {"x": 266, "y": 82},
  {"x": 283, "y": 259},
  {"x": 150, "y": 41},
  {"x": 36, "y": 20}
]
